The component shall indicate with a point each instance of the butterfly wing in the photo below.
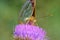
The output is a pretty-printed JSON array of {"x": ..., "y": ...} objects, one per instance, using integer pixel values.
[{"x": 26, "y": 11}]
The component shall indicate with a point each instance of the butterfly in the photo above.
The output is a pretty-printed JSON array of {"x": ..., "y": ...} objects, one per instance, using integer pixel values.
[{"x": 27, "y": 13}]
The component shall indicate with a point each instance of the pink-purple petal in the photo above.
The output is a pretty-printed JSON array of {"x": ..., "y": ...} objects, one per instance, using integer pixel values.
[{"x": 32, "y": 31}]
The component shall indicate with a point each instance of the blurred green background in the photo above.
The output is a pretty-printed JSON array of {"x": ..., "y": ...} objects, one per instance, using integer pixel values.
[{"x": 9, "y": 10}]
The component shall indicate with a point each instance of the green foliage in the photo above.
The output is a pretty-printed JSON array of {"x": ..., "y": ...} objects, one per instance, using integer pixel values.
[{"x": 9, "y": 10}]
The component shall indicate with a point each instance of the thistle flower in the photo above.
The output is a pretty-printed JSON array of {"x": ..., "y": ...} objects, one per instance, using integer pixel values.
[{"x": 29, "y": 31}]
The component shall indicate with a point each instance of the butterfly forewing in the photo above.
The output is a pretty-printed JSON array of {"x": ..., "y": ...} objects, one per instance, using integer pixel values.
[{"x": 26, "y": 11}]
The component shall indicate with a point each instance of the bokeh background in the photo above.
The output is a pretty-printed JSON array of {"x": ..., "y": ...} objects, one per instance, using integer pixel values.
[{"x": 9, "y": 10}]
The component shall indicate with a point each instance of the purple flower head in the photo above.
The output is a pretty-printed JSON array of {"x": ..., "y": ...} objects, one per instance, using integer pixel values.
[{"x": 30, "y": 31}]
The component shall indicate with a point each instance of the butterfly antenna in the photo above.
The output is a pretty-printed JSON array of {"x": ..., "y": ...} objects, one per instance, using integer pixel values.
[{"x": 47, "y": 15}]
